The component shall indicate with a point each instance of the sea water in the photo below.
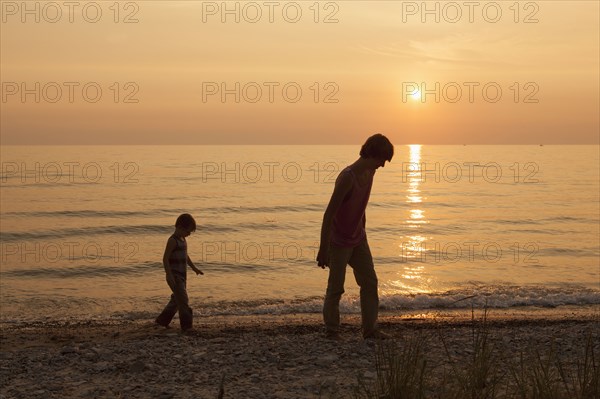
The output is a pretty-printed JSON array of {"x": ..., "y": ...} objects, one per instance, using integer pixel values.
[{"x": 83, "y": 228}]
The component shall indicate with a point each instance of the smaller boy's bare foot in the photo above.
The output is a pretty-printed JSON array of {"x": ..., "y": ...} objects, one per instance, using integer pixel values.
[
  {"x": 334, "y": 336},
  {"x": 189, "y": 331},
  {"x": 157, "y": 324}
]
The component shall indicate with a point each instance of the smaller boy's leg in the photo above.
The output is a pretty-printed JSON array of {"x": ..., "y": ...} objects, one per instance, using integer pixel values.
[
  {"x": 165, "y": 317},
  {"x": 181, "y": 298}
]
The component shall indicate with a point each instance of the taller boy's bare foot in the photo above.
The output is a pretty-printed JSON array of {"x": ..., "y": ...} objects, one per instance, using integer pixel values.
[{"x": 380, "y": 335}]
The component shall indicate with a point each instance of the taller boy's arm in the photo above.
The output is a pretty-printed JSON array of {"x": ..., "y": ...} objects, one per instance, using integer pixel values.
[
  {"x": 194, "y": 268},
  {"x": 343, "y": 185}
]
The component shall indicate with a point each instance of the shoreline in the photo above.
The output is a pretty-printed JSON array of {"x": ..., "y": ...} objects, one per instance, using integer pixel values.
[
  {"x": 458, "y": 313},
  {"x": 259, "y": 356}
]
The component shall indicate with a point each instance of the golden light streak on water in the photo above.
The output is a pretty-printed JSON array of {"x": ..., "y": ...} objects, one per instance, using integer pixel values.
[{"x": 411, "y": 277}]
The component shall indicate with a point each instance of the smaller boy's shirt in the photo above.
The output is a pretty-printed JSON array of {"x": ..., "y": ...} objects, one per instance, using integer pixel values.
[{"x": 178, "y": 258}]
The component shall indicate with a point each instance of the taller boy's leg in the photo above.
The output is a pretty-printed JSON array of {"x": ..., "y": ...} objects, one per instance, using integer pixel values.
[
  {"x": 338, "y": 259},
  {"x": 364, "y": 272}
]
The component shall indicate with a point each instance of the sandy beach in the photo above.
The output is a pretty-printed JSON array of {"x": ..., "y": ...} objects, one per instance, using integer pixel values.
[{"x": 264, "y": 356}]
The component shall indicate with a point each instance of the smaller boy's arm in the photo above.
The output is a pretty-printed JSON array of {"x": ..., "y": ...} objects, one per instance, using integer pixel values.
[
  {"x": 194, "y": 268},
  {"x": 171, "y": 245}
]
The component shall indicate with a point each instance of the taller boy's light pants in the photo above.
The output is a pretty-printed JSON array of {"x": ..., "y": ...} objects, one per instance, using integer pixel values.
[{"x": 361, "y": 261}]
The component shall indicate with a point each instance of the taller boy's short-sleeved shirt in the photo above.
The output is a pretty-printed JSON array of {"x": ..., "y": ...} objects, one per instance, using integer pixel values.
[{"x": 349, "y": 221}]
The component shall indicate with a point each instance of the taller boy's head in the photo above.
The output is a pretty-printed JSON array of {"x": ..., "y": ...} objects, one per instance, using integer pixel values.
[
  {"x": 185, "y": 221},
  {"x": 378, "y": 147}
]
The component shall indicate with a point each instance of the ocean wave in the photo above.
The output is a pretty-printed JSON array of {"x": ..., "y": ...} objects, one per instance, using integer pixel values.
[
  {"x": 574, "y": 252},
  {"x": 140, "y": 230},
  {"x": 484, "y": 297},
  {"x": 570, "y": 219},
  {"x": 61, "y": 307},
  {"x": 86, "y": 213},
  {"x": 87, "y": 270},
  {"x": 495, "y": 297},
  {"x": 161, "y": 212},
  {"x": 266, "y": 209},
  {"x": 125, "y": 230},
  {"x": 490, "y": 297},
  {"x": 92, "y": 269}
]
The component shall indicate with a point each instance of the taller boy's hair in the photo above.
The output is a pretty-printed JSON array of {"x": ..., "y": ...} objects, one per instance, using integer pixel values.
[
  {"x": 186, "y": 220},
  {"x": 377, "y": 146}
]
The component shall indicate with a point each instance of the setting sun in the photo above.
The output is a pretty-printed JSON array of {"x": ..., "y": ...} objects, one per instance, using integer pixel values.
[{"x": 416, "y": 95}]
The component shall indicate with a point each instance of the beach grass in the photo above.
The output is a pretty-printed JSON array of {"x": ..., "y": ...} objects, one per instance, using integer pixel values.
[
  {"x": 483, "y": 370},
  {"x": 402, "y": 372},
  {"x": 544, "y": 375}
]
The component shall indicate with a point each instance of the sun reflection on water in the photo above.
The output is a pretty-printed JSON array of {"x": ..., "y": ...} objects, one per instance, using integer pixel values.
[
  {"x": 414, "y": 196},
  {"x": 412, "y": 279}
]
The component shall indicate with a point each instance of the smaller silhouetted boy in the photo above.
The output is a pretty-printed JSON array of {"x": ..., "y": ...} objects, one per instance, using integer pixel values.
[{"x": 175, "y": 261}]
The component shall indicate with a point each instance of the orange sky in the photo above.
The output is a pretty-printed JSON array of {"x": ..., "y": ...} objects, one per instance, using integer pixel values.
[{"x": 162, "y": 77}]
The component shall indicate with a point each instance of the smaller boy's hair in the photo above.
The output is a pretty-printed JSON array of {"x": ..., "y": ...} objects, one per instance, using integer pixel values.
[
  {"x": 377, "y": 146},
  {"x": 186, "y": 220}
]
